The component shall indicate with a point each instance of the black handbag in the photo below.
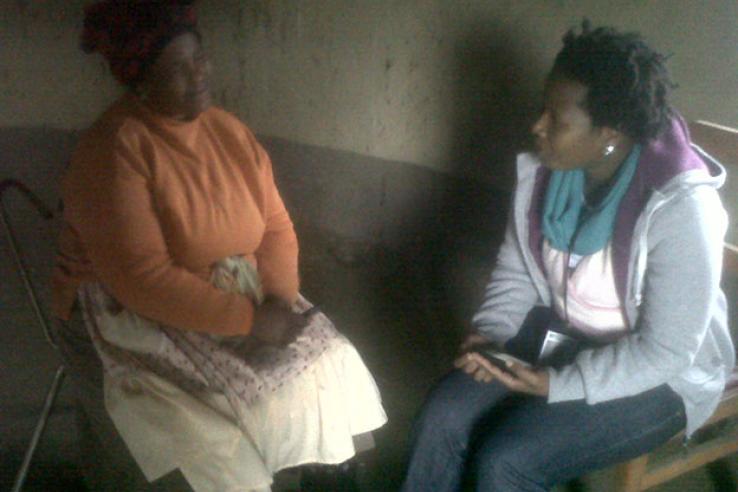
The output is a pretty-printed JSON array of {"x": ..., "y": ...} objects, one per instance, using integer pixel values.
[{"x": 545, "y": 339}]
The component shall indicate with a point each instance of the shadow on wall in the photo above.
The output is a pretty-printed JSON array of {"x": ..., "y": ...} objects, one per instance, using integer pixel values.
[
  {"x": 496, "y": 96},
  {"x": 429, "y": 237}
]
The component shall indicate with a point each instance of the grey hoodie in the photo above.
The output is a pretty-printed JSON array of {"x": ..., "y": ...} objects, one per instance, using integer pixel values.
[{"x": 668, "y": 244}]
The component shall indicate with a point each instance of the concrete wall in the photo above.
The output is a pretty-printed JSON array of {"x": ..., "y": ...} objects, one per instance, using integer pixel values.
[
  {"x": 440, "y": 83},
  {"x": 361, "y": 103},
  {"x": 451, "y": 86},
  {"x": 362, "y": 100}
]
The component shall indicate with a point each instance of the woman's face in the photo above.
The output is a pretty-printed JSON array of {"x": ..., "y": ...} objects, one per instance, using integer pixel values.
[
  {"x": 177, "y": 83},
  {"x": 564, "y": 135}
]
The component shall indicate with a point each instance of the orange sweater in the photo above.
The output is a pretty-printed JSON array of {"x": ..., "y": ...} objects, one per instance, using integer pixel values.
[{"x": 151, "y": 203}]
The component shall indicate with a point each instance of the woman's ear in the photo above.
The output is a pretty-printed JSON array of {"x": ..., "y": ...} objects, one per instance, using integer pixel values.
[
  {"x": 611, "y": 137},
  {"x": 614, "y": 143}
]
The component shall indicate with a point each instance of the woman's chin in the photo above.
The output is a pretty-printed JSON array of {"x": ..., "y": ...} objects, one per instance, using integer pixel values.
[
  {"x": 545, "y": 160},
  {"x": 551, "y": 162},
  {"x": 202, "y": 102},
  {"x": 196, "y": 108}
]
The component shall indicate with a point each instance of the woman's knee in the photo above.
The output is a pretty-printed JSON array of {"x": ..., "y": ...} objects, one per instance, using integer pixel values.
[
  {"x": 512, "y": 468},
  {"x": 452, "y": 410},
  {"x": 441, "y": 415}
]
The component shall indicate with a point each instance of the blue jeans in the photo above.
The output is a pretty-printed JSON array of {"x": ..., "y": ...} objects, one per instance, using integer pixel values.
[{"x": 483, "y": 435}]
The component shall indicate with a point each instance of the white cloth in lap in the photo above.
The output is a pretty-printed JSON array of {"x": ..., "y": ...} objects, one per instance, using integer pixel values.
[
  {"x": 309, "y": 420},
  {"x": 227, "y": 413}
]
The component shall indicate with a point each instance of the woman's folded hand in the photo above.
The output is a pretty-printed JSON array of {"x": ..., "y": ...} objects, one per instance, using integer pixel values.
[
  {"x": 469, "y": 364},
  {"x": 517, "y": 377},
  {"x": 275, "y": 323}
]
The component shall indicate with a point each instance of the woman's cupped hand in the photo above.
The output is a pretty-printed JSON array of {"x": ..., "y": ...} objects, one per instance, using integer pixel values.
[
  {"x": 516, "y": 377},
  {"x": 275, "y": 323}
]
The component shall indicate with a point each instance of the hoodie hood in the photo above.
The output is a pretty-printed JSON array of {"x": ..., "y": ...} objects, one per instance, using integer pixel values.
[{"x": 668, "y": 162}]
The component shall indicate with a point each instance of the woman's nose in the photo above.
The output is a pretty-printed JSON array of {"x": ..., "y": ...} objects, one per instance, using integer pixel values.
[{"x": 539, "y": 127}]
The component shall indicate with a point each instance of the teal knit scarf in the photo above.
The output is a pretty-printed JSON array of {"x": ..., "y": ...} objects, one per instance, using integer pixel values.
[{"x": 569, "y": 224}]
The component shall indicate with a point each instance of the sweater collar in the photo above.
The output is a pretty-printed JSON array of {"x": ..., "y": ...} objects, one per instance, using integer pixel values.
[{"x": 178, "y": 132}]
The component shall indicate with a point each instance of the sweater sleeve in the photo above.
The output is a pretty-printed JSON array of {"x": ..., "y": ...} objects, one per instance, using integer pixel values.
[
  {"x": 681, "y": 288},
  {"x": 108, "y": 201},
  {"x": 277, "y": 254},
  {"x": 510, "y": 293}
]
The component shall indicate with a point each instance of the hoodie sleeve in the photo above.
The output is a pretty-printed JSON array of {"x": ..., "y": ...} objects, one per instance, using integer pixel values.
[
  {"x": 680, "y": 290},
  {"x": 511, "y": 293}
]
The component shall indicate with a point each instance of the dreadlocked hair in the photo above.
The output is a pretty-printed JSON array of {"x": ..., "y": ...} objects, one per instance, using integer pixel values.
[{"x": 628, "y": 83}]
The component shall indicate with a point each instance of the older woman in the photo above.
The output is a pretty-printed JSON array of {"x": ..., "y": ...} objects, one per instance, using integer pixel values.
[
  {"x": 184, "y": 260},
  {"x": 616, "y": 232}
]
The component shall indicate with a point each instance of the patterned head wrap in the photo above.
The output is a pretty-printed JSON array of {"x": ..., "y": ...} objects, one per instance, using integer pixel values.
[{"x": 130, "y": 34}]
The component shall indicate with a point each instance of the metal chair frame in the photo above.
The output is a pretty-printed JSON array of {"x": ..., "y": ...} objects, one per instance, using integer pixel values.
[{"x": 56, "y": 383}]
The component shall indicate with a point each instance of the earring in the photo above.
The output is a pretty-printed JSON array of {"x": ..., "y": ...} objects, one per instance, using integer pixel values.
[{"x": 609, "y": 150}]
